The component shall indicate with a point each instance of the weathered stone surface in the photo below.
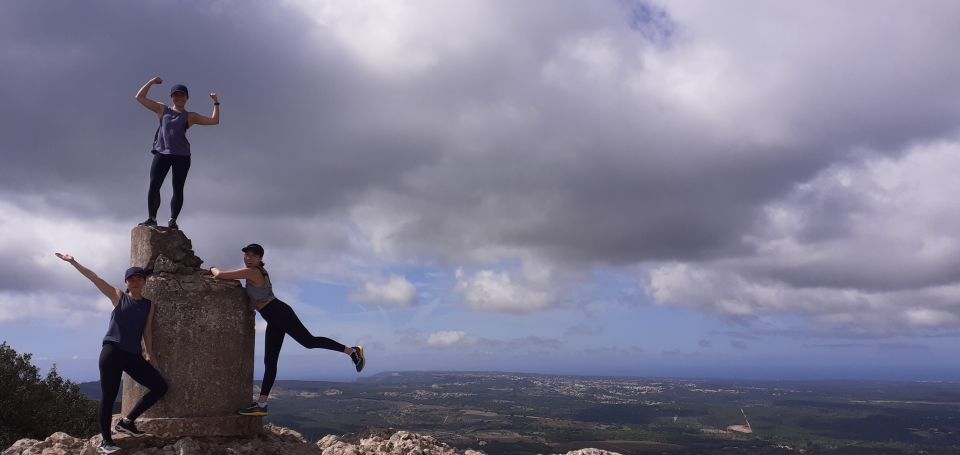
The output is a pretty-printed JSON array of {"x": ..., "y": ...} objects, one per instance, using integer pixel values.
[
  {"x": 148, "y": 242},
  {"x": 203, "y": 341},
  {"x": 164, "y": 264},
  {"x": 216, "y": 426}
]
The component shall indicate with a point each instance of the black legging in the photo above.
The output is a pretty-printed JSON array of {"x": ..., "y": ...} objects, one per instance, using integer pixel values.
[
  {"x": 113, "y": 363},
  {"x": 281, "y": 320},
  {"x": 158, "y": 172}
]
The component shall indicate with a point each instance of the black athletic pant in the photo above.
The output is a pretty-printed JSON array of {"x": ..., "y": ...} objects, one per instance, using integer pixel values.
[
  {"x": 281, "y": 320},
  {"x": 113, "y": 363},
  {"x": 158, "y": 172}
]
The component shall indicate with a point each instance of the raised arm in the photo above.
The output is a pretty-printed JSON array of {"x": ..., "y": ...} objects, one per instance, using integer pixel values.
[
  {"x": 148, "y": 103},
  {"x": 197, "y": 119},
  {"x": 111, "y": 292}
]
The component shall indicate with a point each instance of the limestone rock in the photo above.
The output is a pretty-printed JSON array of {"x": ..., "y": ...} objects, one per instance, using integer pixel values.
[
  {"x": 19, "y": 447},
  {"x": 277, "y": 433},
  {"x": 164, "y": 264},
  {"x": 272, "y": 440},
  {"x": 385, "y": 442},
  {"x": 56, "y": 444},
  {"x": 151, "y": 241}
]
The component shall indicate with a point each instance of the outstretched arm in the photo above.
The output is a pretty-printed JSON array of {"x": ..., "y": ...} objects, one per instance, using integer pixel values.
[
  {"x": 214, "y": 119},
  {"x": 248, "y": 273},
  {"x": 148, "y": 103},
  {"x": 111, "y": 292}
]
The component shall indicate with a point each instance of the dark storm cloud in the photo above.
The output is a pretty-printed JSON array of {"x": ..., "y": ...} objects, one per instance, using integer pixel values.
[
  {"x": 613, "y": 133},
  {"x": 579, "y": 168}
]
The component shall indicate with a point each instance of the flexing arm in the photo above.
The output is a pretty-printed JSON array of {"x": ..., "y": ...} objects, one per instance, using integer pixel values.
[
  {"x": 148, "y": 103},
  {"x": 111, "y": 292},
  {"x": 148, "y": 336},
  {"x": 197, "y": 119}
]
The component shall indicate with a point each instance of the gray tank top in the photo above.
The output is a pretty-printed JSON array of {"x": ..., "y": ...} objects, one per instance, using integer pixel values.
[
  {"x": 262, "y": 294},
  {"x": 172, "y": 138},
  {"x": 127, "y": 323}
]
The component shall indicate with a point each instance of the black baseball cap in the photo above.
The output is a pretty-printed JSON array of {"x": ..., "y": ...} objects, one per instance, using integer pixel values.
[
  {"x": 254, "y": 248},
  {"x": 132, "y": 271},
  {"x": 179, "y": 88}
]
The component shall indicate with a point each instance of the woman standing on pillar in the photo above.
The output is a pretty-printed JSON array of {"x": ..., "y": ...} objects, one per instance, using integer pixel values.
[
  {"x": 170, "y": 146},
  {"x": 130, "y": 323},
  {"x": 281, "y": 321}
]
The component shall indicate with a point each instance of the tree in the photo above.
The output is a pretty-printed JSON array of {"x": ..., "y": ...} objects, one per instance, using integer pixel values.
[{"x": 35, "y": 407}]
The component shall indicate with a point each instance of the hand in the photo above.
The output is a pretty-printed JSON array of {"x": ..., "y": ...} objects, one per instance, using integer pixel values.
[
  {"x": 156, "y": 80},
  {"x": 214, "y": 271},
  {"x": 213, "y": 96},
  {"x": 149, "y": 358},
  {"x": 65, "y": 257}
]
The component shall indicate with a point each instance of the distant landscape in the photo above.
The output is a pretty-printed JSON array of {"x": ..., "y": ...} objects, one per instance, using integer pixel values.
[{"x": 506, "y": 413}]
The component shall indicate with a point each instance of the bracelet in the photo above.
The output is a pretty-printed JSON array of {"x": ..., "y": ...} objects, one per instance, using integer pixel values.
[{"x": 216, "y": 104}]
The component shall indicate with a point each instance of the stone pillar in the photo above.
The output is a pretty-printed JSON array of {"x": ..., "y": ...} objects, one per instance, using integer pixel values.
[{"x": 203, "y": 338}]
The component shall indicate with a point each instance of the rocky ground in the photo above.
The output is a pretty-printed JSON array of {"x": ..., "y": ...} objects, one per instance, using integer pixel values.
[{"x": 273, "y": 440}]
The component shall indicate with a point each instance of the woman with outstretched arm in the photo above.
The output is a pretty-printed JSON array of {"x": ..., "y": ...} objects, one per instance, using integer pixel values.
[
  {"x": 281, "y": 321},
  {"x": 130, "y": 322}
]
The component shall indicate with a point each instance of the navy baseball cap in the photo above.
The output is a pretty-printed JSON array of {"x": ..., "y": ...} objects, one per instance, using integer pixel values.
[
  {"x": 179, "y": 88},
  {"x": 254, "y": 248},
  {"x": 134, "y": 271}
]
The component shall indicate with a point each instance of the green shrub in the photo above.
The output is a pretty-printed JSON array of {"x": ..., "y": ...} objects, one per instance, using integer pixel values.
[{"x": 35, "y": 407}]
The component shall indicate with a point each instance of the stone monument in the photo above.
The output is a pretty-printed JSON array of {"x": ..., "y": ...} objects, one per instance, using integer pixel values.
[{"x": 203, "y": 339}]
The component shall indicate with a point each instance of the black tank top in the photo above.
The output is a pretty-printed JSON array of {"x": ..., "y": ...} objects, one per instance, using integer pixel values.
[{"x": 127, "y": 323}]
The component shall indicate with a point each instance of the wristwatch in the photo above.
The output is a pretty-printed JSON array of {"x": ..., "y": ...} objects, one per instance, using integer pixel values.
[{"x": 217, "y": 103}]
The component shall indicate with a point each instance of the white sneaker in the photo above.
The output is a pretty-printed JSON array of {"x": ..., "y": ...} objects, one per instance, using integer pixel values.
[{"x": 106, "y": 447}]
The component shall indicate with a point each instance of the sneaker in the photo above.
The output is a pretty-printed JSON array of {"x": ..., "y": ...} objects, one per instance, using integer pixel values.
[
  {"x": 254, "y": 409},
  {"x": 107, "y": 447},
  {"x": 149, "y": 222},
  {"x": 128, "y": 427},
  {"x": 359, "y": 360},
  {"x": 172, "y": 224}
]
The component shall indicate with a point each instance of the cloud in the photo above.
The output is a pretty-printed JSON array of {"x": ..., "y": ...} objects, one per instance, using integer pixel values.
[
  {"x": 395, "y": 290},
  {"x": 705, "y": 343},
  {"x": 740, "y": 345},
  {"x": 804, "y": 174},
  {"x": 461, "y": 340},
  {"x": 869, "y": 245},
  {"x": 489, "y": 290},
  {"x": 447, "y": 338},
  {"x": 53, "y": 308}
]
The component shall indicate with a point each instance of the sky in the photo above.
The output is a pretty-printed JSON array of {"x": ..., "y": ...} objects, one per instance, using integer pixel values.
[{"x": 747, "y": 189}]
